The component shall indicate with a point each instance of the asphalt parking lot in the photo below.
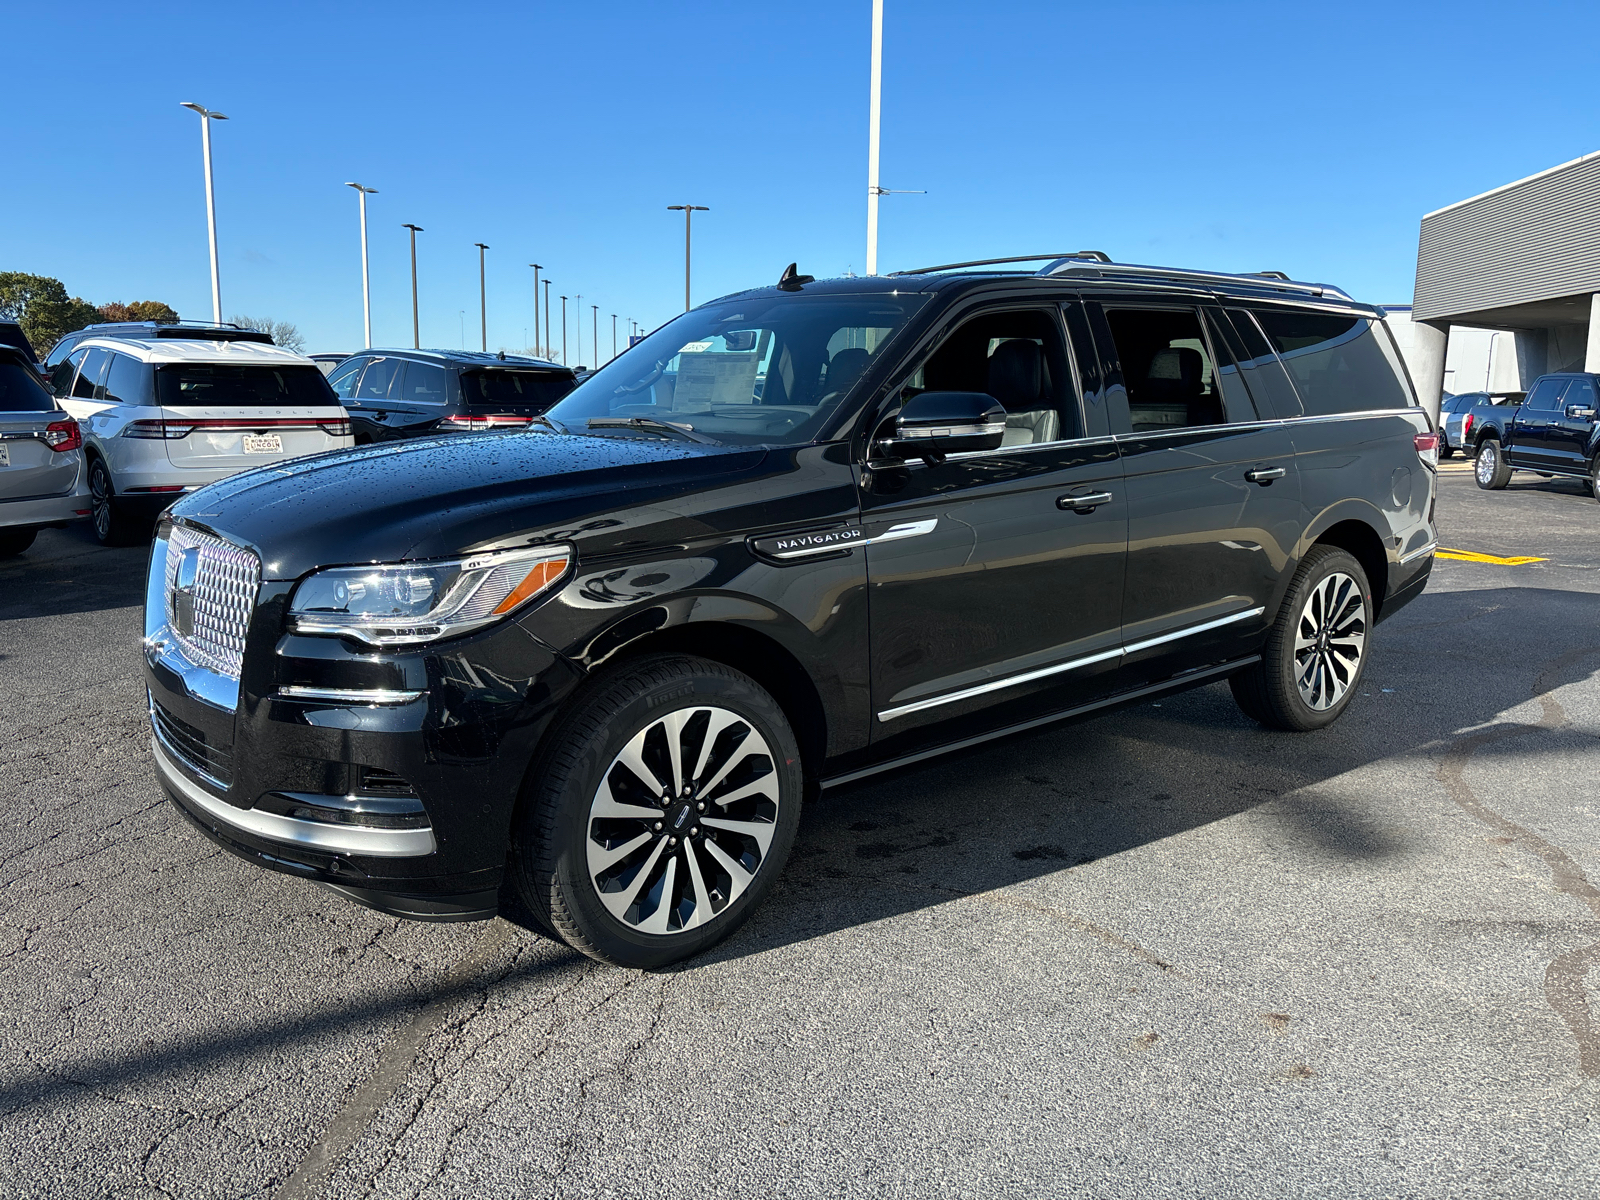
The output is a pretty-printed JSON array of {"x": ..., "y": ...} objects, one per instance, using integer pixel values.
[{"x": 1163, "y": 953}]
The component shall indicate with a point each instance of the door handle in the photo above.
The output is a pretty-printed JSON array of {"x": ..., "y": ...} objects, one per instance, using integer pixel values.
[
  {"x": 1265, "y": 475},
  {"x": 1085, "y": 503}
]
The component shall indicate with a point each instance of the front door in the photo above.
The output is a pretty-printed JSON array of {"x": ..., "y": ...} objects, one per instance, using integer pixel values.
[
  {"x": 995, "y": 578},
  {"x": 1537, "y": 425},
  {"x": 1214, "y": 509},
  {"x": 1568, "y": 436}
]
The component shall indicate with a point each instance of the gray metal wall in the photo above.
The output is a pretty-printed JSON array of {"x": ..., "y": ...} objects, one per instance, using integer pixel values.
[{"x": 1536, "y": 239}]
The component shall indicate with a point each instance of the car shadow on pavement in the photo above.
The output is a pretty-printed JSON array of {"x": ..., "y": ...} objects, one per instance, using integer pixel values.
[{"x": 67, "y": 571}]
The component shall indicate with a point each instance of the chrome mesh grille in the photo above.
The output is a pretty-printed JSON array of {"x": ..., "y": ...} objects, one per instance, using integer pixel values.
[{"x": 226, "y": 581}]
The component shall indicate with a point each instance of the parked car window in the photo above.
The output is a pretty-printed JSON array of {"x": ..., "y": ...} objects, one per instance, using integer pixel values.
[
  {"x": 1167, "y": 369},
  {"x": 1017, "y": 357},
  {"x": 500, "y": 386},
  {"x": 1580, "y": 392},
  {"x": 1338, "y": 363},
  {"x": 88, "y": 383},
  {"x": 21, "y": 389},
  {"x": 745, "y": 371},
  {"x": 1237, "y": 403},
  {"x": 426, "y": 383},
  {"x": 63, "y": 373},
  {"x": 344, "y": 378},
  {"x": 125, "y": 380},
  {"x": 1545, "y": 393},
  {"x": 226, "y": 386},
  {"x": 375, "y": 380}
]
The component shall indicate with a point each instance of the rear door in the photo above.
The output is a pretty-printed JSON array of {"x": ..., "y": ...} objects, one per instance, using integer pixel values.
[
  {"x": 1529, "y": 429},
  {"x": 87, "y": 388},
  {"x": 1214, "y": 513},
  {"x": 29, "y": 468},
  {"x": 225, "y": 417},
  {"x": 371, "y": 398}
]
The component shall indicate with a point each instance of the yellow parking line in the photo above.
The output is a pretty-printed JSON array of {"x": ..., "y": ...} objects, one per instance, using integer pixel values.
[{"x": 1491, "y": 559}]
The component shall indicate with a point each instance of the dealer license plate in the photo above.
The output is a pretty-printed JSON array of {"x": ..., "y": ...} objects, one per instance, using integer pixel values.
[
  {"x": 5, "y": 455},
  {"x": 266, "y": 443}
]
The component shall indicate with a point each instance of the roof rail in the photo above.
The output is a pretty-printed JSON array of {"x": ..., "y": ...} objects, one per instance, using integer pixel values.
[
  {"x": 993, "y": 262},
  {"x": 1276, "y": 280}
]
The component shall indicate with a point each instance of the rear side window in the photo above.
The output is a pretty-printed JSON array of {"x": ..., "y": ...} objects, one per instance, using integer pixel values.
[
  {"x": 88, "y": 385},
  {"x": 538, "y": 389},
  {"x": 21, "y": 389},
  {"x": 181, "y": 385},
  {"x": 125, "y": 382},
  {"x": 1339, "y": 364},
  {"x": 1544, "y": 393},
  {"x": 377, "y": 378},
  {"x": 1167, "y": 369}
]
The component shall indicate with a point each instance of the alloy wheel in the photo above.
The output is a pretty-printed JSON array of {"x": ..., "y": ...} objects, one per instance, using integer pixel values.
[
  {"x": 1329, "y": 640},
  {"x": 1488, "y": 460},
  {"x": 682, "y": 820},
  {"x": 100, "y": 499}
]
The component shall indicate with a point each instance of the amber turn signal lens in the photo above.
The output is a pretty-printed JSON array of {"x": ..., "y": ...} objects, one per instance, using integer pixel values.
[{"x": 542, "y": 576}]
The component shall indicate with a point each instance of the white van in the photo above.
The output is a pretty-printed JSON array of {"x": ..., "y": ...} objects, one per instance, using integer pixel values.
[{"x": 161, "y": 418}]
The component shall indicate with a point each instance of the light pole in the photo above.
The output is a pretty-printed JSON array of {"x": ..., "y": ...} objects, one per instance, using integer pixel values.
[
  {"x": 688, "y": 211},
  {"x": 549, "y": 346},
  {"x": 416, "y": 335},
  {"x": 206, "y": 117},
  {"x": 594, "y": 330},
  {"x": 536, "y": 269},
  {"x": 577, "y": 325},
  {"x": 613, "y": 335},
  {"x": 872, "y": 138},
  {"x": 483, "y": 298},
  {"x": 366, "y": 284},
  {"x": 563, "y": 331}
]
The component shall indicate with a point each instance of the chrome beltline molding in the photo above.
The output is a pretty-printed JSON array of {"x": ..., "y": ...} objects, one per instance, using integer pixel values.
[
  {"x": 314, "y": 835},
  {"x": 349, "y": 695},
  {"x": 995, "y": 685}
]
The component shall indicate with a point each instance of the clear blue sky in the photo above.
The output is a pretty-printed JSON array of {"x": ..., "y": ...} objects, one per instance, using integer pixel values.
[{"x": 1306, "y": 138}]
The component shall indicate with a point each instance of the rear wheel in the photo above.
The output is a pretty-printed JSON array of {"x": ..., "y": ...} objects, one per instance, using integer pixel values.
[
  {"x": 1490, "y": 470},
  {"x": 1445, "y": 449},
  {"x": 663, "y": 814},
  {"x": 15, "y": 541},
  {"x": 1317, "y": 649},
  {"x": 1594, "y": 478},
  {"x": 112, "y": 525}
]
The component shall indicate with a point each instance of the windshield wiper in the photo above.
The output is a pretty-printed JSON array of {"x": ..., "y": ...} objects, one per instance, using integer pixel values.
[{"x": 684, "y": 431}]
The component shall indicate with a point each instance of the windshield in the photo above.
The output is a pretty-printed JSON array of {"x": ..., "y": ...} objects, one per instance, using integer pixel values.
[
  {"x": 764, "y": 371},
  {"x": 224, "y": 386},
  {"x": 538, "y": 389}
]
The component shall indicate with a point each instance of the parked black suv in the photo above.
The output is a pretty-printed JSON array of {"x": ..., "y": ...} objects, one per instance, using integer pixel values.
[
  {"x": 797, "y": 536},
  {"x": 411, "y": 393}
]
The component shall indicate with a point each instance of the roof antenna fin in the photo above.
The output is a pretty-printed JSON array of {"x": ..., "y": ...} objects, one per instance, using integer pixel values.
[{"x": 792, "y": 279}]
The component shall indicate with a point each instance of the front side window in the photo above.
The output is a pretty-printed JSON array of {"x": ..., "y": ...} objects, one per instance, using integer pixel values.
[
  {"x": 763, "y": 370},
  {"x": 1167, "y": 369},
  {"x": 1339, "y": 363},
  {"x": 1019, "y": 359},
  {"x": 1580, "y": 392},
  {"x": 184, "y": 385}
]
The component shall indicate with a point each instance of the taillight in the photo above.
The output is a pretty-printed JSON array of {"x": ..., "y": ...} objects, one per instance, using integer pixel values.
[
  {"x": 335, "y": 428},
  {"x": 160, "y": 430},
  {"x": 1466, "y": 427},
  {"x": 62, "y": 436},
  {"x": 466, "y": 422},
  {"x": 1427, "y": 445}
]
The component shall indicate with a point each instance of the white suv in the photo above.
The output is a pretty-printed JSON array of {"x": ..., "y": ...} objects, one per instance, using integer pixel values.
[{"x": 160, "y": 418}]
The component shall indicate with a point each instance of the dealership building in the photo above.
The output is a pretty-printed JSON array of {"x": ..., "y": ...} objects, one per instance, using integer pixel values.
[{"x": 1520, "y": 264}]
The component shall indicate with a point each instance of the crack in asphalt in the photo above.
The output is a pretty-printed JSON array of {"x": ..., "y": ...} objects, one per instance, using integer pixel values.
[{"x": 1564, "y": 980}]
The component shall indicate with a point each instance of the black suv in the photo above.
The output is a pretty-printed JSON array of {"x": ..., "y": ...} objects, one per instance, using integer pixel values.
[
  {"x": 410, "y": 393},
  {"x": 797, "y": 536}
]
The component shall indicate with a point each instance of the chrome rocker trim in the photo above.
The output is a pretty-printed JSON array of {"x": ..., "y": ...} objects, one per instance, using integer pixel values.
[
  {"x": 313, "y": 835},
  {"x": 995, "y": 685}
]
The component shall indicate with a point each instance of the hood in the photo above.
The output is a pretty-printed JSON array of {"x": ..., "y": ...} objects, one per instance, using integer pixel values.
[{"x": 437, "y": 497}]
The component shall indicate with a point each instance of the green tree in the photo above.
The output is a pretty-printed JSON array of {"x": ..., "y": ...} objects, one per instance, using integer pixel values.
[{"x": 43, "y": 307}]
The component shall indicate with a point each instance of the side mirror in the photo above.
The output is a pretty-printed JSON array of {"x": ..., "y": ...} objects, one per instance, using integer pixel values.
[
  {"x": 934, "y": 424},
  {"x": 1578, "y": 412}
]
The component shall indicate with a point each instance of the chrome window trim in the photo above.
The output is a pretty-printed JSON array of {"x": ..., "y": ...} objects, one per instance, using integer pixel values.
[
  {"x": 1264, "y": 423},
  {"x": 1419, "y": 552},
  {"x": 1031, "y": 447},
  {"x": 349, "y": 695},
  {"x": 995, "y": 685},
  {"x": 313, "y": 835}
]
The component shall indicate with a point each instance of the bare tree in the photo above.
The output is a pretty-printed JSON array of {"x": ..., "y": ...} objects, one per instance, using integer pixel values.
[{"x": 281, "y": 332}]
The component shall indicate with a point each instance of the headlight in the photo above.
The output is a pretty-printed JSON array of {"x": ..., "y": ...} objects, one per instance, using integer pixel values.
[{"x": 401, "y": 604}]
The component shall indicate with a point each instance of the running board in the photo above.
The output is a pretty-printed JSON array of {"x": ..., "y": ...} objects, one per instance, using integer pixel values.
[{"x": 1175, "y": 683}]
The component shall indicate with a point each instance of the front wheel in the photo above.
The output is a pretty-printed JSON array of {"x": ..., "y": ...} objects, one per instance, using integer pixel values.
[
  {"x": 663, "y": 813},
  {"x": 1316, "y": 650},
  {"x": 1490, "y": 470},
  {"x": 1594, "y": 477}
]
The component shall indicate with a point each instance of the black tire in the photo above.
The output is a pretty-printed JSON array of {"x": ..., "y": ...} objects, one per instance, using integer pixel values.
[
  {"x": 14, "y": 541},
  {"x": 1271, "y": 690},
  {"x": 113, "y": 525},
  {"x": 552, "y": 849},
  {"x": 1594, "y": 479},
  {"x": 1490, "y": 469},
  {"x": 1445, "y": 449}
]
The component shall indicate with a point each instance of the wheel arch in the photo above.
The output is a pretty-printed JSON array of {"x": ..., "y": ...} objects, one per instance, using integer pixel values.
[{"x": 1362, "y": 542}]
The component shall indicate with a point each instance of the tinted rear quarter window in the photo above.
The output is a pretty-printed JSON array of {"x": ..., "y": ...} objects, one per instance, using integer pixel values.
[
  {"x": 180, "y": 385},
  {"x": 21, "y": 389},
  {"x": 125, "y": 382},
  {"x": 538, "y": 389},
  {"x": 424, "y": 383},
  {"x": 1339, "y": 363}
]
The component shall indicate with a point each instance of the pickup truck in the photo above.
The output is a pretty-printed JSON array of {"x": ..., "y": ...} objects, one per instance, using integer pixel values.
[{"x": 1553, "y": 431}]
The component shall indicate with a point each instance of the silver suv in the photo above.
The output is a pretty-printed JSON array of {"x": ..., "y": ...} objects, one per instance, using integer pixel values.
[{"x": 42, "y": 480}]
